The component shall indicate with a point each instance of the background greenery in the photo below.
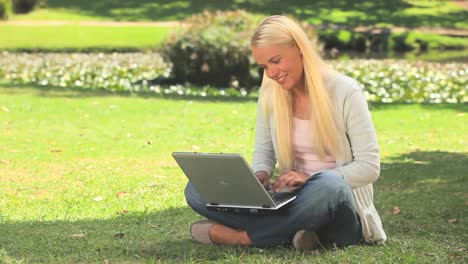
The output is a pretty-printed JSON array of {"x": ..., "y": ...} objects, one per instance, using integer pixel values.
[
  {"x": 406, "y": 13},
  {"x": 344, "y": 24},
  {"x": 141, "y": 73}
]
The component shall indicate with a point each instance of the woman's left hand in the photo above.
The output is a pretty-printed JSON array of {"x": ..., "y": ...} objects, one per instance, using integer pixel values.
[{"x": 290, "y": 179}]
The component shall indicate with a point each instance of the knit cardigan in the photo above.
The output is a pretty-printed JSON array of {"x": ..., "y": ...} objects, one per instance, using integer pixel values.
[{"x": 360, "y": 165}]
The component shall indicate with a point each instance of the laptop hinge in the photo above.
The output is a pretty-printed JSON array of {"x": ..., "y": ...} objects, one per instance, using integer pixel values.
[
  {"x": 266, "y": 206},
  {"x": 214, "y": 203}
]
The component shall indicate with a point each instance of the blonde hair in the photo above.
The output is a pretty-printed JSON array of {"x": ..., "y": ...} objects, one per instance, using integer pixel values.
[{"x": 324, "y": 134}]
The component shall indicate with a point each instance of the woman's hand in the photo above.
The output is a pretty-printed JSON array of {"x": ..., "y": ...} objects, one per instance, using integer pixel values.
[
  {"x": 290, "y": 179},
  {"x": 264, "y": 178}
]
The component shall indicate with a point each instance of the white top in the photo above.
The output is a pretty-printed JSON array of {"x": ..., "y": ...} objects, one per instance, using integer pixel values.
[{"x": 306, "y": 157}]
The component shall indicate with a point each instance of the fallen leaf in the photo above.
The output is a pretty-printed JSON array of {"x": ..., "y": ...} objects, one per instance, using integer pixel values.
[
  {"x": 5, "y": 161},
  {"x": 5, "y": 109},
  {"x": 98, "y": 198},
  {"x": 452, "y": 221},
  {"x": 77, "y": 235},
  {"x": 121, "y": 194},
  {"x": 456, "y": 256},
  {"x": 119, "y": 235},
  {"x": 396, "y": 210},
  {"x": 56, "y": 150},
  {"x": 461, "y": 114},
  {"x": 122, "y": 212}
]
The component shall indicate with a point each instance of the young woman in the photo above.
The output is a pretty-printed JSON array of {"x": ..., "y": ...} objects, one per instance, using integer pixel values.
[{"x": 314, "y": 122}]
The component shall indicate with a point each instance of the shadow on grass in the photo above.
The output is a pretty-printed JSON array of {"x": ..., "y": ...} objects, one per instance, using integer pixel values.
[
  {"x": 415, "y": 166},
  {"x": 324, "y": 11},
  {"x": 163, "y": 235}
]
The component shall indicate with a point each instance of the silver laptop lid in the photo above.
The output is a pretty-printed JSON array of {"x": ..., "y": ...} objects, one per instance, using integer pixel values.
[{"x": 223, "y": 179}]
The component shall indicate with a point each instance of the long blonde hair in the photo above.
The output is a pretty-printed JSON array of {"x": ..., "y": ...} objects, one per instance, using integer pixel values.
[{"x": 324, "y": 134}]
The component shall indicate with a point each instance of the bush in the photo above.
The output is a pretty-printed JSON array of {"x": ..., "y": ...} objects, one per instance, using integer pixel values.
[
  {"x": 24, "y": 6},
  {"x": 5, "y": 9},
  {"x": 213, "y": 49}
]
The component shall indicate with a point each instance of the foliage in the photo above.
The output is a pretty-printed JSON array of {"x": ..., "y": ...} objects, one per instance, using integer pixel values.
[
  {"x": 383, "y": 80},
  {"x": 383, "y": 39},
  {"x": 88, "y": 177},
  {"x": 113, "y": 72},
  {"x": 214, "y": 50},
  {"x": 5, "y": 9},
  {"x": 401, "y": 13},
  {"x": 401, "y": 81},
  {"x": 25, "y": 6}
]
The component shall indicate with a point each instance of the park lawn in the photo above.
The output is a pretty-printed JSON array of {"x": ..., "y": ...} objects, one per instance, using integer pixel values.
[
  {"x": 407, "y": 13},
  {"x": 88, "y": 177},
  {"x": 77, "y": 37}
]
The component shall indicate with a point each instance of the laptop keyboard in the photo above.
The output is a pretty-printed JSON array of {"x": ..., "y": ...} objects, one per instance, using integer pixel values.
[{"x": 281, "y": 196}]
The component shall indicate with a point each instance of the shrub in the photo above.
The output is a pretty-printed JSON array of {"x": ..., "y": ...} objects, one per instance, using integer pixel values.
[
  {"x": 5, "y": 9},
  {"x": 24, "y": 6},
  {"x": 213, "y": 49}
]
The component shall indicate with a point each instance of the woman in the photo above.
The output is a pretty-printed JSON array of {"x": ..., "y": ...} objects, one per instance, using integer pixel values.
[{"x": 315, "y": 123}]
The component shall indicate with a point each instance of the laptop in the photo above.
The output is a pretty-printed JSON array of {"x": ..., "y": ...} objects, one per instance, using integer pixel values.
[{"x": 227, "y": 183}]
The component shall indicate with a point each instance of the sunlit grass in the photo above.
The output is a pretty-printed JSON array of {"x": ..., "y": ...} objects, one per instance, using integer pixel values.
[
  {"x": 80, "y": 37},
  {"x": 57, "y": 14},
  {"x": 88, "y": 177}
]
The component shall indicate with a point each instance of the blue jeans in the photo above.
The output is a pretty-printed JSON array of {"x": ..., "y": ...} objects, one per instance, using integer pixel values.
[{"x": 324, "y": 205}]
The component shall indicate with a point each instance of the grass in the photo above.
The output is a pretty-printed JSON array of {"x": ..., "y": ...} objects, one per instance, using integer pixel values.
[
  {"x": 80, "y": 37},
  {"x": 88, "y": 177},
  {"x": 408, "y": 13},
  {"x": 402, "y": 13}
]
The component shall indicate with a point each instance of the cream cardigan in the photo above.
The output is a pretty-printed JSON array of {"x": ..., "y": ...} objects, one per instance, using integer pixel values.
[{"x": 361, "y": 164}]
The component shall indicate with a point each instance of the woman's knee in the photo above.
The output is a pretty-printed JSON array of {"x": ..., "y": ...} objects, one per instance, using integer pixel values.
[
  {"x": 327, "y": 186},
  {"x": 192, "y": 197}
]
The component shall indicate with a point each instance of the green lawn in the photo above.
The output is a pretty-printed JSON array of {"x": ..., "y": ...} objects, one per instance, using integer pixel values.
[
  {"x": 77, "y": 37},
  {"x": 408, "y": 13},
  {"x": 88, "y": 177},
  {"x": 347, "y": 13}
]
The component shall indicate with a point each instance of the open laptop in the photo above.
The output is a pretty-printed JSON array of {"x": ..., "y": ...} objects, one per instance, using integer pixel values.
[{"x": 226, "y": 182}]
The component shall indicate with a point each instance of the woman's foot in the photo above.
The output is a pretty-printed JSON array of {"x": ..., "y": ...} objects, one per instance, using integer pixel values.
[
  {"x": 209, "y": 232},
  {"x": 200, "y": 231},
  {"x": 306, "y": 241}
]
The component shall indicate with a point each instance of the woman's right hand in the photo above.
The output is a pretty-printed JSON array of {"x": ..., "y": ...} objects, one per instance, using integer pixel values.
[{"x": 264, "y": 178}]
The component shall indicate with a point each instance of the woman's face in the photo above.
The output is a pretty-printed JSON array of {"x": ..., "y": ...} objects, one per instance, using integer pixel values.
[{"x": 281, "y": 63}]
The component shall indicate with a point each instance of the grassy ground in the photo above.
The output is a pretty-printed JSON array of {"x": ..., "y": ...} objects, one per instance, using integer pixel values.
[
  {"x": 407, "y": 13},
  {"x": 80, "y": 38},
  {"x": 401, "y": 13},
  {"x": 88, "y": 177}
]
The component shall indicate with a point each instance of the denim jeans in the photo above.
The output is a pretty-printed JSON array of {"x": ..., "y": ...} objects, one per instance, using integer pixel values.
[{"x": 324, "y": 205}]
